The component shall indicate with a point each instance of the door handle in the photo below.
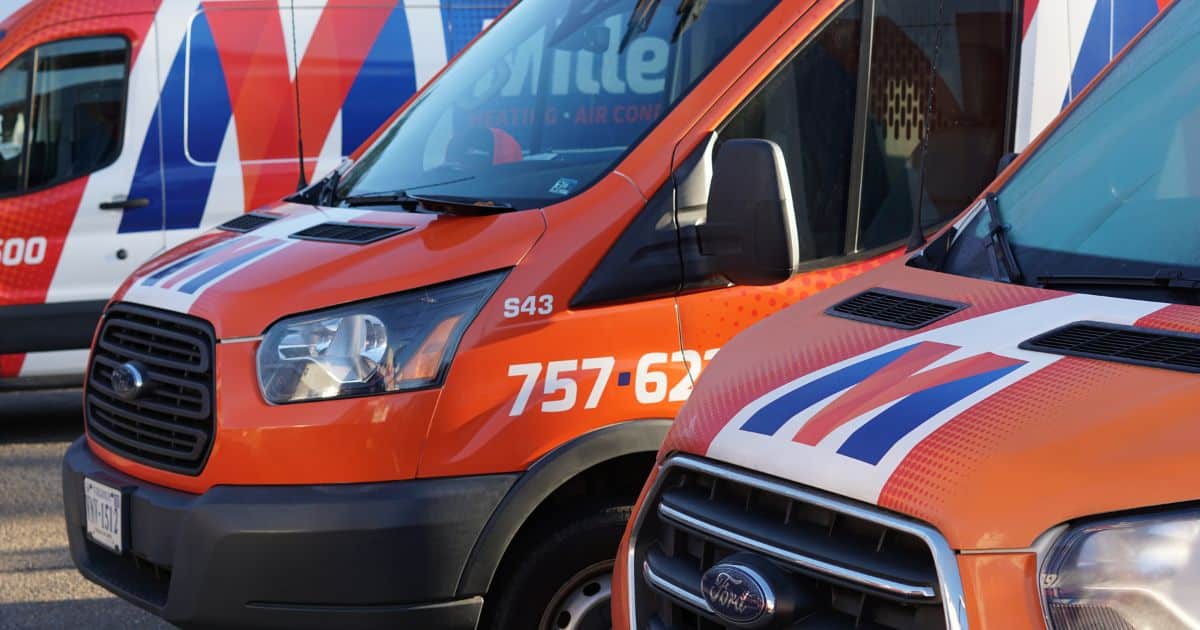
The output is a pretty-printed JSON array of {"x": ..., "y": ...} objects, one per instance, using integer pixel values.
[{"x": 125, "y": 204}]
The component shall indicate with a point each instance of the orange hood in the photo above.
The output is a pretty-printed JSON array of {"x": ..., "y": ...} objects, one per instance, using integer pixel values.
[
  {"x": 242, "y": 282},
  {"x": 954, "y": 423}
]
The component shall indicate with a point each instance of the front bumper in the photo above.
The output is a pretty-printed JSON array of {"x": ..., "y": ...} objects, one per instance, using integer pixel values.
[{"x": 358, "y": 555}]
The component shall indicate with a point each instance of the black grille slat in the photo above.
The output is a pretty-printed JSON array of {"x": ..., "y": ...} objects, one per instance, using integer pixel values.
[
  {"x": 894, "y": 309},
  {"x": 698, "y": 516},
  {"x": 348, "y": 233},
  {"x": 139, "y": 438},
  {"x": 246, "y": 223},
  {"x": 1147, "y": 347},
  {"x": 169, "y": 424},
  {"x": 162, "y": 431}
]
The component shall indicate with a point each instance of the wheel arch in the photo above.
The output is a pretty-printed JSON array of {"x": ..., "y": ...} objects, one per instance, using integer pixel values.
[{"x": 547, "y": 478}]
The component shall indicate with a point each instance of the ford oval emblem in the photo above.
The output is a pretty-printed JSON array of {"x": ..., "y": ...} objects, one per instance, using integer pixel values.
[
  {"x": 127, "y": 380},
  {"x": 738, "y": 594}
]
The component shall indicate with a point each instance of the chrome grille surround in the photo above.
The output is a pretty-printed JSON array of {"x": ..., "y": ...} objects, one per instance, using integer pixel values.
[{"x": 947, "y": 590}]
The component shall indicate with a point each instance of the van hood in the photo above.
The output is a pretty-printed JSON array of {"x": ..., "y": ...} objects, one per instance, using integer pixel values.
[
  {"x": 243, "y": 282},
  {"x": 955, "y": 423}
]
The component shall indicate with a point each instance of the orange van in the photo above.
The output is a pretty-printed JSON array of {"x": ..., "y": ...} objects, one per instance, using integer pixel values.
[
  {"x": 427, "y": 390},
  {"x": 995, "y": 432}
]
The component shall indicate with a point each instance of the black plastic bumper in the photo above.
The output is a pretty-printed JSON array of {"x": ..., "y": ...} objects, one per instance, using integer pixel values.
[{"x": 363, "y": 555}]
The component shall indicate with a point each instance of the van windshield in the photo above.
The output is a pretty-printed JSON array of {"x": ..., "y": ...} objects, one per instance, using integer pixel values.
[
  {"x": 550, "y": 99},
  {"x": 1115, "y": 190}
]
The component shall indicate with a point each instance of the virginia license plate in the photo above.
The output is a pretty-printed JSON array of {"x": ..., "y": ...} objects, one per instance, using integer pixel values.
[{"x": 103, "y": 515}]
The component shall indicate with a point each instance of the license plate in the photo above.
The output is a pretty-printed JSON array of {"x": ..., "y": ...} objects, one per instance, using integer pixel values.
[{"x": 103, "y": 515}]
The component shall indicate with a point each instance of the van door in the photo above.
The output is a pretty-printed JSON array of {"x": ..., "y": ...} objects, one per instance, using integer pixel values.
[
  {"x": 69, "y": 134},
  {"x": 848, "y": 109}
]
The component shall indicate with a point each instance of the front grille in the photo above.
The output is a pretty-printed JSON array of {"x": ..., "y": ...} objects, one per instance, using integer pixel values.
[
  {"x": 348, "y": 233},
  {"x": 846, "y": 564},
  {"x": 1122, "y": 344},
  {"x": 895, "y": 309},
  {"x": 169, "y": 425}
]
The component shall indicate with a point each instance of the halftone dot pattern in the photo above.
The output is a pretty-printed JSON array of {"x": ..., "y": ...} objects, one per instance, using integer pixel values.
[
  {"x": 1177, "y": 317},
  {"x": 802, "y": 339},
  {"x": 932, "y": 480},
  {"x": 48, "y": 215}
]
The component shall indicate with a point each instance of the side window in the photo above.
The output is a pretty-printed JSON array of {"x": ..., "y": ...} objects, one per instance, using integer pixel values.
[
  {"x": 62, "y": 109},
  {"x": 808, "y": 109},
  {"x": 967, "y": 133},
  {"x": 14, "y": 105}
]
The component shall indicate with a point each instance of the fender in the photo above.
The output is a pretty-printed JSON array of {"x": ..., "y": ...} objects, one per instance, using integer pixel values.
[{"x": 541, "y": 480}]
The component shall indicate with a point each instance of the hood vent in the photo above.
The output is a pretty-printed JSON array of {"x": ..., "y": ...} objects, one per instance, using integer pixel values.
[
  {"x": 895, "y": 309},
  {"x": 1122, "y": 344},
  {"x": 246, "y": 223},
  {"x": 348, "y": 233}
]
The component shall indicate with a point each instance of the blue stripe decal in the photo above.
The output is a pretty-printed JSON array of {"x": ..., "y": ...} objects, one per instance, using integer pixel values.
[
  {"x": 387, "y": 79},
  {"x": 875, "y": 438},
  {"x": 772, "y": 417},
  {"x": 1113, "y": 24},
  {"x": 187, "y": 186},
  {"x": 462, "y": 20},
  {"x": 193, "y": 285},
  {"x": 1130, "y": 17},
  {"x": 180, "y": 264}
]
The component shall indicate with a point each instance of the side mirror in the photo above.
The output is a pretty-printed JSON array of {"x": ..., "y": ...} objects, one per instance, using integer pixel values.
[{"x": 750, "y": 232}]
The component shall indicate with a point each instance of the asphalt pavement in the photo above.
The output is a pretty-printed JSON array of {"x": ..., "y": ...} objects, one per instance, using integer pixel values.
[{"x": 39, "y": 587}]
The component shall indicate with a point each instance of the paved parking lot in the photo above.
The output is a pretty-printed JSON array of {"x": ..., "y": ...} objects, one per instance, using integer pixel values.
[{"x": 39, "y": 587}]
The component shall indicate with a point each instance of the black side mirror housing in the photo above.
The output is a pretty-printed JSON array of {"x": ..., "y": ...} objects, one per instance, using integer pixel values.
[{"x": 750, "y": 232}]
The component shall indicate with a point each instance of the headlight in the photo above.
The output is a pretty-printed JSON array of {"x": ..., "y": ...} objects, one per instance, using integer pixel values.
[
  {"x": 1136, "y": 572},
  {"x": 397, "y": 343}
]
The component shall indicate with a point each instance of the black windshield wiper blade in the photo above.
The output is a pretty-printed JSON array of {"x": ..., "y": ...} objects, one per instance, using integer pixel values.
[
  {"x": 482, "y": 205},
  {"x": 392, "y": 198},
  {"x": 1002, "y": 252},
  {"x": 408, "y": 201},
  {"x": 1161, "y": 279}
]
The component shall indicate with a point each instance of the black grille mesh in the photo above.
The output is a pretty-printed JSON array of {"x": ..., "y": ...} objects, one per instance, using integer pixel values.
[
  {"x": 170, "y": 425},
  {"x": 1122, "y": 344},
  {"x": 897, "y": 310},
  {"x": 246, "y": 223},
  {"x": 348, "y": 233},
  {"x": 681, "y": 555}
]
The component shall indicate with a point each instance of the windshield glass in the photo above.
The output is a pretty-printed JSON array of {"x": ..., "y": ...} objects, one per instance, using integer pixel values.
[
  {"x": 1115, "y": 190},
  {"x": 551, "y": 98}
]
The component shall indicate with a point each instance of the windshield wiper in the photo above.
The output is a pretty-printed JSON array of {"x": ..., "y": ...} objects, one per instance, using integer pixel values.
[
  {"x": 409, "y": 201},
  {"x": 998, "y": 243},
  {"x": 393, "y": 198},
  {"x": 1161, "y": 279}
]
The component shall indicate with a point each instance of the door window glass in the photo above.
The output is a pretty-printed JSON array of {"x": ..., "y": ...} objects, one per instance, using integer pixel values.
[
  {"x": 807, "y": 108},
  {"x": 72, "y": 124},
  {"x": 968, "y": 129},
  {"x": 14, "y": 89},
  {"x": 78, "y": 108}
]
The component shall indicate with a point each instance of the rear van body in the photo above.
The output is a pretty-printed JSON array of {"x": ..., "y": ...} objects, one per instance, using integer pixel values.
[
  {"x": 132, "y": 126},
  {"x": 426, "y": 390},
  {"x": 993, "y": 432}
]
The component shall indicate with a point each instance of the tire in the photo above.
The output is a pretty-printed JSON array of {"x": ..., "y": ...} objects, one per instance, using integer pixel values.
[{"x": 561, "y": 579}]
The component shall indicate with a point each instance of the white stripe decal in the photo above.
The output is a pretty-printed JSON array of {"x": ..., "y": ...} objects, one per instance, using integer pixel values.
[
  {"x": 425, "y": 26},
  {"x": 54, "y": 363},
  {"x": 824, "y": 467}
]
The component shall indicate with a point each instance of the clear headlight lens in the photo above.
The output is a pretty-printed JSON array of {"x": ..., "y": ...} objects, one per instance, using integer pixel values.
[
  {"x": 397, "y": 343},
  {"x": 1136, "y": 572}
]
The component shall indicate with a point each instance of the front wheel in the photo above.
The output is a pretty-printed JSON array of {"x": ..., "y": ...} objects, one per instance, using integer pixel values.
[{"x": 562, "y": 580}]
